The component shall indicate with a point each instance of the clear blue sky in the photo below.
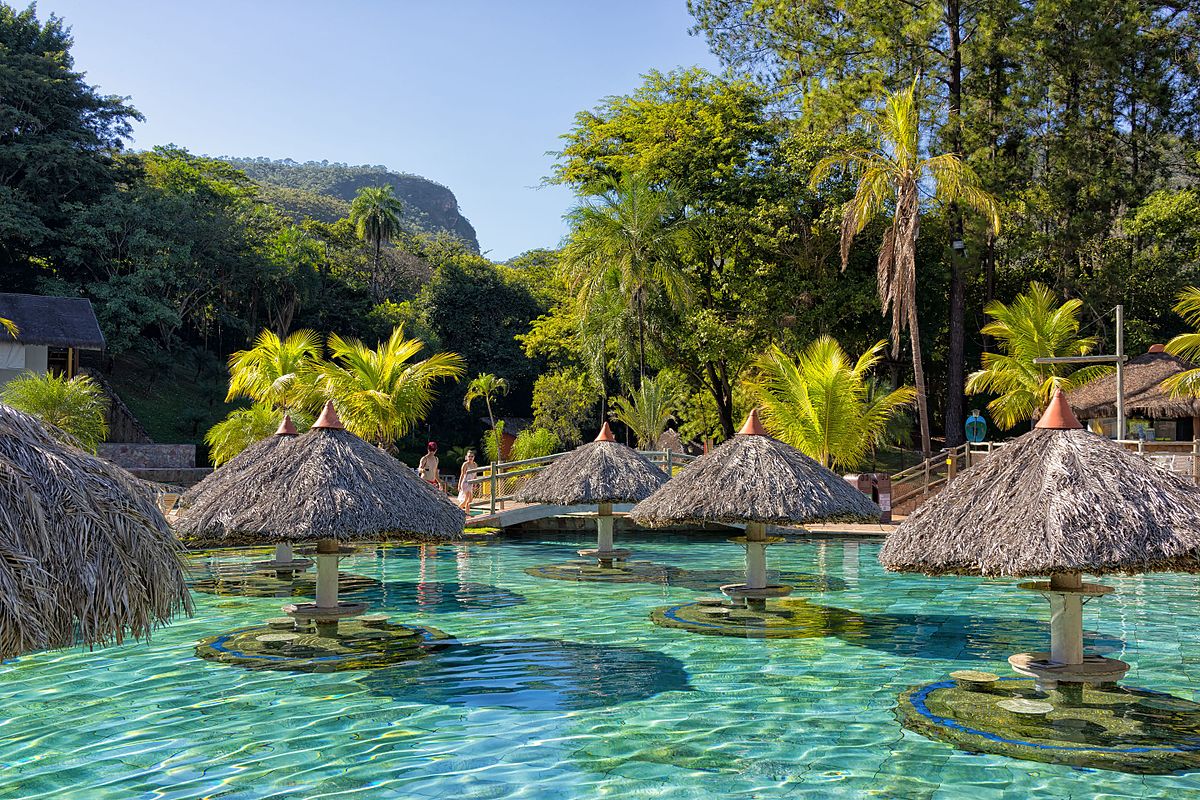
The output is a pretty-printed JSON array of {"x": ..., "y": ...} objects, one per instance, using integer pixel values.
[{"x": 470, "y": 94}]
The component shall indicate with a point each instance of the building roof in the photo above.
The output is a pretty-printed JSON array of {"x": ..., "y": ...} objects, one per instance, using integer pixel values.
[
  {"x": 1144, "y": 394},
  {"x": 53, "y": 321}
]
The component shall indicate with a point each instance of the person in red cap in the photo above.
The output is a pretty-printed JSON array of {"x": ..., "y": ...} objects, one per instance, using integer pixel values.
[{"x": 427, "y": 467}]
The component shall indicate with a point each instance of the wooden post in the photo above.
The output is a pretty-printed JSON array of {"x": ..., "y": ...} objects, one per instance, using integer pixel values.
[
  {"x": 492, "y": 489},
  {"x": 925, "y": 485},
  {"x": 669, "y": 464}
]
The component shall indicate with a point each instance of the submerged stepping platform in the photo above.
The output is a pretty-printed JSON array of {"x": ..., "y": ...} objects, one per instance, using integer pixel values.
[
  {"x": 782, "y": 619},
  {"x": 359, "y": 644},
  {"x": 701, "y": 580},
  {"x": 1116, "y": 728},
  {"x": 248, "y": 582}
]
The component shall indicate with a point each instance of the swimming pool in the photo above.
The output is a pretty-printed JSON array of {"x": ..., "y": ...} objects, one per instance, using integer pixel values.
[{"x": 560, "y": 689}]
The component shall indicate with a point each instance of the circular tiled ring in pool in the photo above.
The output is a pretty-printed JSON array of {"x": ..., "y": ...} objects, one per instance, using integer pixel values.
[
  {"x": 1114, "y": 727},
  {"x": 363, "y": 643},
  {"x": 247, "y": 582},
  {"x": 701, "y": 580},
  {"x": 781, "y": 619}
]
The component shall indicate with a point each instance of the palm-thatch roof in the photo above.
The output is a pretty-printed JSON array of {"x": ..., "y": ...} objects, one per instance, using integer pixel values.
[
  {"x": 603, "y": 471},
  {"x": 53, "y": 321},
  {"x": 326, "y": 484},
  {"x": 227, "y": 476},
  {"x": 1058, "y": 499},
  {"x": 754, "y": 477},
  {"x": 85, "y": 555},
  {"x": 1144, "y": 394}
]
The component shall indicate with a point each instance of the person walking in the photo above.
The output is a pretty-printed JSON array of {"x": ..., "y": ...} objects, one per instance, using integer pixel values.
[
  {"x": 466, "y": 488},
  {"x": 427, "y": 467}
]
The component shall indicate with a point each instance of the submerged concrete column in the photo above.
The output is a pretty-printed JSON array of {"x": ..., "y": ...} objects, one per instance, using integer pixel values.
[
  {"x": 1066, "y": 618},
  {"x": 604, "y": 527},
  {"x": 327, "y": 573},
  {"x": 756, "y": 555},
  {"x": 283, "y": 553}
]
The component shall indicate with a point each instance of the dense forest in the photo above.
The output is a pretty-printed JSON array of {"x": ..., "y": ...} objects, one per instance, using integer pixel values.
[{"x": 1078, "y": 119}]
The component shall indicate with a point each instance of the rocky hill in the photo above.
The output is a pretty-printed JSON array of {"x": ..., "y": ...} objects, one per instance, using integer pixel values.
[{"x": 323, "y": 190}]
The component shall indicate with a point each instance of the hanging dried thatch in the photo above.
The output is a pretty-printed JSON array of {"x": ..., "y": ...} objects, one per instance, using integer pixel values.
[
  {"x": 232, "y": 472},
  {"x": 754, "y": 477},
  {"x": 1058, "y": 499},
  {"x": 603, "y": 471},
  {"x": 1144, "y": 394},
  {"x": 326, "y": 484},
  {"x": 85, "y": 555}
]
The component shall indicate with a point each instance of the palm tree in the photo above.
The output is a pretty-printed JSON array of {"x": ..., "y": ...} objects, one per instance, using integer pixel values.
[
  {"x": 895, "y": 171},
  {"x": 75, "y": 406},
  {"x": 382, "y": 393},
  {"x": 647, "y": 411},
  {"x": 10, "y": 327},
  {"x": 276, "y": 371},
  {"x": 243, "y": 427},
  {"x": 822, "y": 403},
  {"x": 1186, "y": 345},
  {"x": 487, "y": 387},
  {"x": 534, "y": 443},
  {"x": 627, "y": 236},
  {"x": 1032, "y": 326},
  {"x": 375, "y": 213}
]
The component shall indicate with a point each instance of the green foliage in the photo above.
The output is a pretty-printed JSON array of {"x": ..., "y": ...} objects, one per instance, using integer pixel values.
[
  {"x": 564, "y": 403},
  {"x": 534, "y": 443},
  {"x": 1034, "y": 325},
  {"x": 75, "y": 406},
  {"x": 486, "y": 387},
  {"x": 278, "y": 373},
  {"x": 382, "y": 393},
  {"x": 822, "y": 403},
  {"x": 493, "y": 439},
  {"x": 647, "y": 411},
  {"x": 243, "y": 427},
  {"x": 1186, "y": 345}
]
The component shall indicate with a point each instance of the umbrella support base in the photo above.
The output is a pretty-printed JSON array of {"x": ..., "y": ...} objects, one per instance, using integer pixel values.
[
  {"x": 754, "y": 597},
  {"x": 295, "y": 565},
  {"x": 1095, "y": 670},
  {"x": 605, "y": 558}
]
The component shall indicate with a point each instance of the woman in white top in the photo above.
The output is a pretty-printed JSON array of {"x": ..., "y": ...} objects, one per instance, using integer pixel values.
[{"x": 466, "y": 488}]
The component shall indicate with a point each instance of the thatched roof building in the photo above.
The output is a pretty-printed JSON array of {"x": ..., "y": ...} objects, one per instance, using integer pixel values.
[
  {"x": 1144, "y": 394},
  {"x": 326, "y": 484},
  {"x": 233, "y": 471},
  {"x": 1056, "y": 500},
  {"x": 754, "y": 477},
  {"x": 85, "y": 555},
  {"x": 603, "y": 471}
]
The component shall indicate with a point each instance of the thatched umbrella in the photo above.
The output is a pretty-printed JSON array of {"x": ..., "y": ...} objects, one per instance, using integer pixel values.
[
  {"x": 85, "y": 554},
  {"x": 327, "y": 486},
  {"x": 1144, "y": 393},
  {"x": 244, "y": 466},
  {"x": 598, "y": 473},
  {"x": 1057, "y": 501},
  {"x": 755, "y": 480}
]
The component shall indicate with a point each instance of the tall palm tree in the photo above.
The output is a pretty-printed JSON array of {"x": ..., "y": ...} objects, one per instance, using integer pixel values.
[
  {"x": 382, "y": 393},
  {"x": 75, "y": 406},
  {"x": 822, "y": 402},
  {"x": 1186, "y": 345},
  {"x": 276, "y": 371},
  {"x": 1033, "y": 325},
  {"x": 375, "y": 213},
  {"x": 629, "y": 235},
  {"x": 243, "y": 427},
  {"x": 892, "y": 174},
  {"x": 487, "y": 387},
  {"x": 647, "y": 411}
]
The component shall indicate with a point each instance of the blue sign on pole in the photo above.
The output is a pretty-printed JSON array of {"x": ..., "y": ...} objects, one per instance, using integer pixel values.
[{"x": 976, "y": 427}]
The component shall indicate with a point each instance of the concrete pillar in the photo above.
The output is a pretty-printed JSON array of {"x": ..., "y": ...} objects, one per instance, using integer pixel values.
[
  {"x": 1066, "y": 619},
  {"x": 283, "y": 553},
  {"x": 327, "y": 573},
  {"x": 604, "y": 532},
  {"x": 756, "y": 555}
]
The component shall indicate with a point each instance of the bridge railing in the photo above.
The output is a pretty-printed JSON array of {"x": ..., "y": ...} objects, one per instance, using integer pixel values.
[{"x": 499, "y": 483}]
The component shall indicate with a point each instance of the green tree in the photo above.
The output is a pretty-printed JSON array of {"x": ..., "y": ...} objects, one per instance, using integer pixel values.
[
  {"x": 278, "y": 372},
  {"x": 648, "y": 410},
  {"x": 629, "y": 234},
  {"x": 487, "y": 387},
  {"x": 821, "y": 402},
  {"x": 1186, "y": 345},
  {"x": 534, "y": 443},
  {"x": 1034, "y": 325},
  {"x": 243, "y": 427},
  {"x": 382, "y": 393},
  {"x": 375, "y": 212},
  {"x": 893, "y": 172},
  {"x": 76, "y": 406},
  {"x": 564, "y": 402}
]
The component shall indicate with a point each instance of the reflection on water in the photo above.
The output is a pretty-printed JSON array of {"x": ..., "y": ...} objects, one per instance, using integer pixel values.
[
  {"x": 533, "y": 674},
  {"x": 440, "y": 597}
]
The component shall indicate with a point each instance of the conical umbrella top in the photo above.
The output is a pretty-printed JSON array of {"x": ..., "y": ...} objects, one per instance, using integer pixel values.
[
  {"x": 1058, "y": 499},
  {"x": 754, "y": 477},
  {"x": 229, "y": 474},
  {"x": 287, "y": 427},
  {"x": 601, "y": 471}
]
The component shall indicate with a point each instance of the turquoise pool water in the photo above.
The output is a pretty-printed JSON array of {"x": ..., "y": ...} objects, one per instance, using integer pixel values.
[{"x": 567, "y": 690}]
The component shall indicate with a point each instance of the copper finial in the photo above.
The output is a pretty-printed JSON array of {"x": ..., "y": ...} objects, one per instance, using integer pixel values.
[
  {"x": 606, "y": 434},
  {"x": 287, "y": 427},
  {"x": 329, "y": 418},
  {"x": 1058, "y": 415},
  {"x": 1157, "y": 348},
  {"x": 752, "y": 427}
]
